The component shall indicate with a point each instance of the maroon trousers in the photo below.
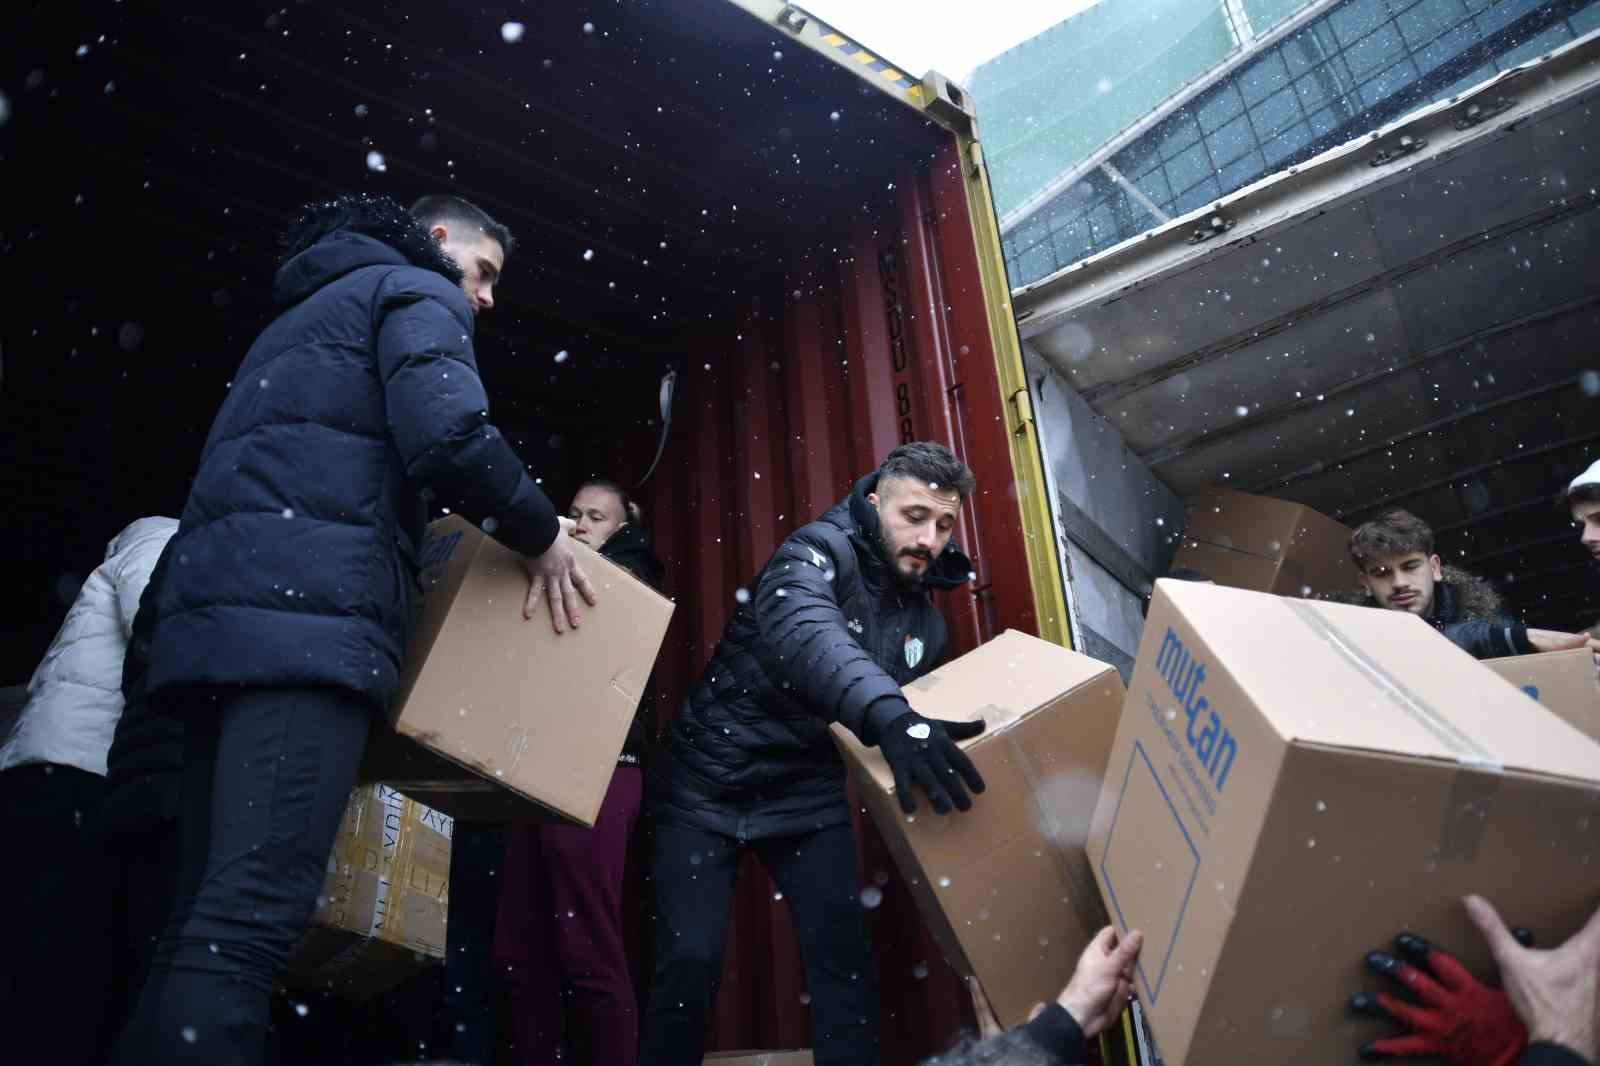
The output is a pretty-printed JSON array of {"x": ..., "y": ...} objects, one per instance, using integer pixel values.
[{"x": 559, "y": 933}]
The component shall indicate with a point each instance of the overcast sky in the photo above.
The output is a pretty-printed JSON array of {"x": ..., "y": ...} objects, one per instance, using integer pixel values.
[{"x": 950, "y": 36}]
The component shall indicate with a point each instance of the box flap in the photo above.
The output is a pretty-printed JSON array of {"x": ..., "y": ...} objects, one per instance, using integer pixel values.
[
  {"x": 1371, "y": 679},
  {"x": 999, "y": 682}
]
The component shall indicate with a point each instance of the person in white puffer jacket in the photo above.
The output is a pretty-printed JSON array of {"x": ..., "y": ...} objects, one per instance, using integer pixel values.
[
  {"x": 75, "y": 697},
  {"x": 56, "y": 931}
]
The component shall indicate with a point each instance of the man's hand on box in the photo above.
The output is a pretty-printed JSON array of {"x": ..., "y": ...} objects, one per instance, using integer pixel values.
[
  {"x": 1102, "y": 985},
  {"x": 1556, "y": 993},
  {"x": 1554, "y": 640},
  {"x": 556, "y": 578},
  {"x": 922, "y": 751}
]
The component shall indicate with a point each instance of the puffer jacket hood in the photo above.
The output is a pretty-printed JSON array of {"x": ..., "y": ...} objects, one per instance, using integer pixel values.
[
  {"x": 334, "y": 237},
  {"x": 75, "y": 696}
]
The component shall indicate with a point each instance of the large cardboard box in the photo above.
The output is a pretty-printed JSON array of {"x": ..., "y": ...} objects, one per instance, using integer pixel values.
[
  {"x": 499, "y": 718},
  {"x": 1295, "y": 782},
  {"x": 759, "y": 1058},
  {"x": 384, "y": 904},
  {"x": 1564, "y": 681},
  {"x": 1256, "y": 542},
  {"x": 1005, "y": 888}
]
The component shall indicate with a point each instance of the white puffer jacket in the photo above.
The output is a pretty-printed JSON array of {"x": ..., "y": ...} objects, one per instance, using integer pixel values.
[{"x": 75, "y": 697}]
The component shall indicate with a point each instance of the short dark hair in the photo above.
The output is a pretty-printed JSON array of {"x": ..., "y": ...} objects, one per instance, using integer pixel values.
[
  {"x": 631, "y": 512},
  {"x": 444, "y": 208},
  {"x": 930, "y": 462},
  {"x": 1394, "y": 532}
]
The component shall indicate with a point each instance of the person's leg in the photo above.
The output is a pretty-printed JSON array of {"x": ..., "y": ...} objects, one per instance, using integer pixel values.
[
  {"x": 285, "y": 761},
  {"x": 55, "y": 927},
  {"x": 477, "y": 852},
  {"x": 523, "y": 953},
  {"x": 692, "y": 874},
  {"x": 194, "y": 844},
  {"x": 817, "y": 875},
  {"x": 584, "y": 870}
]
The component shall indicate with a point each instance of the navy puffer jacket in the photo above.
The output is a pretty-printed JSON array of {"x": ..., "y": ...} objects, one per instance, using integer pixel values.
[
  {"x": 828, "y": 634},
  {"x": 296, "y": 555}
]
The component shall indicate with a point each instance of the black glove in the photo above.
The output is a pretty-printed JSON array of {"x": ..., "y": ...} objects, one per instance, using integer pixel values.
[{"x": 924, "y": 751}]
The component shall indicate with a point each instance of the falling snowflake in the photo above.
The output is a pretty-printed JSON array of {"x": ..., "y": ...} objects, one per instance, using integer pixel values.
[
  {"x": 511, "y": 32},
  {"x": 376, "y": 163}
]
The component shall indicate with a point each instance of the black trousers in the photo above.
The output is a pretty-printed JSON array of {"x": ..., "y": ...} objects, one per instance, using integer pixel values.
[
  {"x": 143, "y": 887},
  {"x": 267, "y": 775},
  {"x": 56, "y": 928},
  {"x": 694, "y": 873}
]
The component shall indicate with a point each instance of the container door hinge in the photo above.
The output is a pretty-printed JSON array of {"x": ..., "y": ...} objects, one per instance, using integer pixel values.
[
  {"x": 1021, "y": 412},
  {"x": 1406, "y": 145},
  {"x": 1478, "y": 113}
]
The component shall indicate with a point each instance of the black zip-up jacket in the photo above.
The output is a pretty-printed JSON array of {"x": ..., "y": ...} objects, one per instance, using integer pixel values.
[{"x": 828, "y": 633}]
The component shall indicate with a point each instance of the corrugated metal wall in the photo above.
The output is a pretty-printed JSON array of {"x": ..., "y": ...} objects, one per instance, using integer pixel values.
[{"x": 781, "y": 406}]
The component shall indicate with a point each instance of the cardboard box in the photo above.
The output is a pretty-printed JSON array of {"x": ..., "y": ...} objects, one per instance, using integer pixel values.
[
  {"x": 384, "y": 905},
  {"x": 501, "y": 719},
  {"x": 1005, "y": 888},
  {"x": 1564, "y": 681},
  {"x": 1255, "y": 542},
  {"x": 1295, "y": 782},
  {"x": 759, "y": 1058}
]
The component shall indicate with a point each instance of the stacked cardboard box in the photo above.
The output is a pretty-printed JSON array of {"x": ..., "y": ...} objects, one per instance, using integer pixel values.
[
  {"x": 1255, "y": 542},
  {"x": 1005, "y": 889},
  {"x": 503, "y": 719},
  {"x": 1563, "y": 681},
  {"x": 1295, "y": 782},
  {"x": 759, "y": 1058},
  {"x": 384, "y": 905}
]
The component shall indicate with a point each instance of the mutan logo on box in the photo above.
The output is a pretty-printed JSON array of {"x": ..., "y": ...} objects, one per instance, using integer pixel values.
[{"x": 1210, "y": 746}]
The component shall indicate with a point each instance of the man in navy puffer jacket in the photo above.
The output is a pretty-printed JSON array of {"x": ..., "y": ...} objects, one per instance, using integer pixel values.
[{"x": 281, "y": 622}]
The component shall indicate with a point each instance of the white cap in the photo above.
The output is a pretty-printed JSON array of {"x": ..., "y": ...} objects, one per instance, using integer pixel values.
[{"x": 1590, "y": 476}]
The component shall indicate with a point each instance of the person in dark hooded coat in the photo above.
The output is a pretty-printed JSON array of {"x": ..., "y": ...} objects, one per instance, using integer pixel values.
[
  {"x": 281, "y": 619},
  {"x": 830, "y": 629}
]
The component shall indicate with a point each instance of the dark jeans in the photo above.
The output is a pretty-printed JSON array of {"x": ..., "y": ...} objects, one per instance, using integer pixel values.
[
  {"x": 472, "y": 989},
  {"x": 693, "y": 873},
  {"x": 560, "y": 937},
  {"x": 56, "y": 922},
  {"x": 267, "y": 775}
]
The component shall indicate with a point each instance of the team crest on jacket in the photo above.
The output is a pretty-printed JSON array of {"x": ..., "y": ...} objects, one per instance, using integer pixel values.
[{"x": 913, "y": 651}]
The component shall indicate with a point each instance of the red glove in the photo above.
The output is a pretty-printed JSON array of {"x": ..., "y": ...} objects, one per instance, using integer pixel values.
[{"x": 1455, "y": 1018}]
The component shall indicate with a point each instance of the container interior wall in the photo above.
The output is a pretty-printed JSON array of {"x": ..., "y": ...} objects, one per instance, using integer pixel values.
[{"x": 785, "y": 399}]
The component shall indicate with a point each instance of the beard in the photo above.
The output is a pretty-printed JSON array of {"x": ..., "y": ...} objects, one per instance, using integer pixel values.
[{"x": 908, "y": 579}]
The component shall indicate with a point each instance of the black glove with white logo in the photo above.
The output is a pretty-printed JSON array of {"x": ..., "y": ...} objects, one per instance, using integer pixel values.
[{"x": 924, "y": 751}]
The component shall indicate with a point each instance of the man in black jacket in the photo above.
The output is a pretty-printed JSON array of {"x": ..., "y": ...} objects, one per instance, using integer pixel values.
[
  {"x": 838, "y": 619},
  {"x": 1394, "y": 554},
  {"x": 281, "y": 619}
]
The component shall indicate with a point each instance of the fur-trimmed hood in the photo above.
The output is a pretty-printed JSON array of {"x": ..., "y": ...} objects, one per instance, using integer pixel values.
[
  {"x": 1458, "y": 597},
  {"x": 333, "y": 237}
]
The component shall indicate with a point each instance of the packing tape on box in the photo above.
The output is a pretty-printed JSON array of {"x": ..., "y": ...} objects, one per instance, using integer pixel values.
[
  {"x": 1467, "y": 750},
  {"x": 1467, "y": 807}
]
